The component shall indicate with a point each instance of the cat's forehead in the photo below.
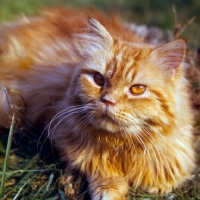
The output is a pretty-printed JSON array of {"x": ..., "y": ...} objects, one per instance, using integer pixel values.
[{"x": 125, "y": 61}]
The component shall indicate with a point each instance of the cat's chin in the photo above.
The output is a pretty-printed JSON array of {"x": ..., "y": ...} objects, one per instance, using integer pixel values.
[
  {"x": 111, "y": 126},
  {"x": 107, "y": 124}
]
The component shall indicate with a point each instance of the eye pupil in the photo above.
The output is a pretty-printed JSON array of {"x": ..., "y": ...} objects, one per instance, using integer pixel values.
[
  {"x": 137, "y": 89},
  {"x": 99, "y": 79}
]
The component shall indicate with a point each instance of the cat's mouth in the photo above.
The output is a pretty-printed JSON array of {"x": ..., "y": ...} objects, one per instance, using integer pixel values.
[
  {"x": 108, "y": 119},
  {"x": 104, "y": 118}
]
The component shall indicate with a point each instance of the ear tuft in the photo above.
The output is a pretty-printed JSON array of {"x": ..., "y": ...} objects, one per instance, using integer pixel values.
[
  {"x": 170, "y": 56},
  {"x": 98, "y": 31},
  {"x": 96, "y": 38}
]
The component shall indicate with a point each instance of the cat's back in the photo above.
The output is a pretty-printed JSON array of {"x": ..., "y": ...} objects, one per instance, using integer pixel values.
[
  {"x": 51, "y": 37},
  {"x": 37, "y": 57},
  {"x": 42, "y": 40}
]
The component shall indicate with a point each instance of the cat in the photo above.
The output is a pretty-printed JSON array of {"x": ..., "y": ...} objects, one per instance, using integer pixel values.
[{"x": 116, "y": 108}]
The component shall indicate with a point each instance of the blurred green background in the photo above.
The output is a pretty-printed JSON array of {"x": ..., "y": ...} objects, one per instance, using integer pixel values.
[{"x": 150, "y": 12}]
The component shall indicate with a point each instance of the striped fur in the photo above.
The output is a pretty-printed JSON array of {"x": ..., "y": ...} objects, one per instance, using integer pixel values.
[{"x": 116, "y": 138}]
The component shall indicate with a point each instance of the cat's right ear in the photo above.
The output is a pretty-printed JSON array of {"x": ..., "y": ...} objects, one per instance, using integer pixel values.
[
  {"x": 99, "y": 32},
  {"x": 96, "y": 38}
]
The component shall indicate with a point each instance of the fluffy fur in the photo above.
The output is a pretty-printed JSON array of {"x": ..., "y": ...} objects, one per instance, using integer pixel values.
[{"x": 84, "y": 70}]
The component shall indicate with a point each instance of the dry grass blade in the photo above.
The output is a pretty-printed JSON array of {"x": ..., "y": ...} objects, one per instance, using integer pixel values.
[
  {"x": 178, "y": 28},
  {"x": 16, "y": 196},
  {"x": 48, "y": 185},
  {"x": 10, "y": 101}
]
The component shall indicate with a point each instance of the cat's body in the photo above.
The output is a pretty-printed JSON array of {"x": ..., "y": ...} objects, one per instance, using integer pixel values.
[{"x": 122, "y": 111}]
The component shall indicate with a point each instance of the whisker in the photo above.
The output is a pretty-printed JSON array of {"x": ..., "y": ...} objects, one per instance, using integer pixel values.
[{"x": 66, "y": 113}]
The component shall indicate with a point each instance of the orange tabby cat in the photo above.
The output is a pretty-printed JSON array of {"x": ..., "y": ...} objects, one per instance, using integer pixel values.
[{"x": 120, "y": 110}]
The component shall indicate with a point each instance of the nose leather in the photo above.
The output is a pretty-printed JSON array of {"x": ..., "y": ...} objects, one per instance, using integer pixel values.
[{"x": 108, "y": 100}]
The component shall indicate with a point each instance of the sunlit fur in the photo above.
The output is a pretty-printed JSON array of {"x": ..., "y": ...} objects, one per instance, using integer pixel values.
[{"x": 117, "y": 139}]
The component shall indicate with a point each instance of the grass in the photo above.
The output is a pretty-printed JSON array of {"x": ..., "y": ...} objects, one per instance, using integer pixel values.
[
  {"x": 30, "y": 168},
  {"x": 29, "y": 175},
  {"x": 3, "y": 175}
]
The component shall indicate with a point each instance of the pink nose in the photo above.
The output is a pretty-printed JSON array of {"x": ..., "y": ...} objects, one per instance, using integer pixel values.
[{"x": 108, "y": 100}]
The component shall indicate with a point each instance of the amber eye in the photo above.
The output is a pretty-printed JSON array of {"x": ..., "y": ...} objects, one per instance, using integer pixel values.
[
  {"x": 137, "y": 89},
  {"x": 99, "y": 79}
]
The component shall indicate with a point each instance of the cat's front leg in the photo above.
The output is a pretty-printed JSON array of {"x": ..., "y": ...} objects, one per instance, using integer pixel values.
[{"x": 114, "y": 188}]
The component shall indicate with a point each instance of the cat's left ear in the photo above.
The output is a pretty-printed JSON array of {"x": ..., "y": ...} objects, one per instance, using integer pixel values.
[{"x": 170, "y": 56}]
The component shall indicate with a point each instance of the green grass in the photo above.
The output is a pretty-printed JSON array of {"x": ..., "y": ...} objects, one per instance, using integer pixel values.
[{"x": 3, "y": 175}]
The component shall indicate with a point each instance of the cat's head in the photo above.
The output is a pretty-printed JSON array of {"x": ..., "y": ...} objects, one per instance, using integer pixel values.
[{"x": 128, "y": 87}]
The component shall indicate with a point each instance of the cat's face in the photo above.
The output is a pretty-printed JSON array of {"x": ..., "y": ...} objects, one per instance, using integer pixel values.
[{"x": 129, "y": 87}]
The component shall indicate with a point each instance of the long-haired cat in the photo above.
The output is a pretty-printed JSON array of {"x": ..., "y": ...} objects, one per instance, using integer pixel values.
[{"x": 119, "y": 109}]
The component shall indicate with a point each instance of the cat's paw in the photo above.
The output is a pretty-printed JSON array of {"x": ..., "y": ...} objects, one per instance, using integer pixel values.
[
  {"x": 66, "y": 183},
  {"x": 109, "y": 189},
  {"x": 109, "y": 195}
]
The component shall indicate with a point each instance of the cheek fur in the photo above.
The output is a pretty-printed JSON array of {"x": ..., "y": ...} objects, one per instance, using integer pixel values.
[
  {"x": 89, "y": 91},
  {"x": 141, "y": 107}
]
